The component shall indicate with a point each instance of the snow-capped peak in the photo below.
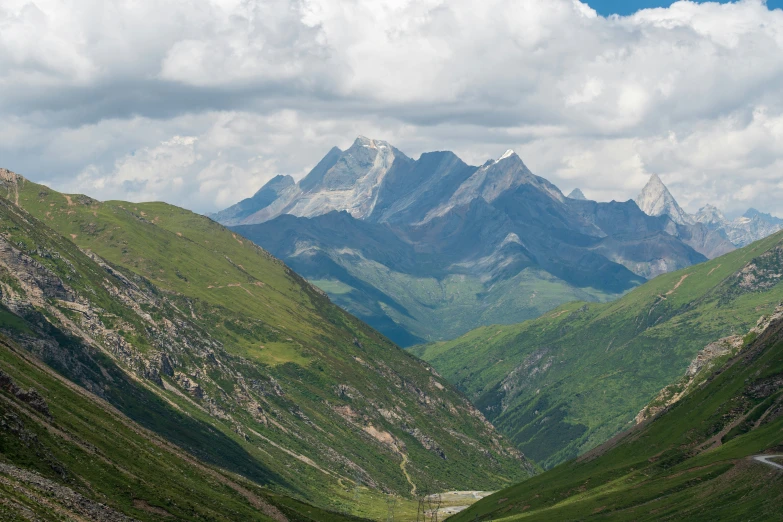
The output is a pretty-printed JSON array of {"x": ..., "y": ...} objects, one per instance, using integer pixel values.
[{"x": 506, "y": 154}]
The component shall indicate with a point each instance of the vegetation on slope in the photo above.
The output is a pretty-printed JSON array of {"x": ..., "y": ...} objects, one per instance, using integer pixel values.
[
  {"x": 559, "y": 385},
  {"x": 65, "y": 453},
  {"x": 416, "y": 293},
  {"x": 205, "y": 339},
  {"x": 692, "y": 462}
]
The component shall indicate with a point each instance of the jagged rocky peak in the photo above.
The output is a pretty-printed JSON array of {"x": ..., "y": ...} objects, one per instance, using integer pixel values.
[
  {"x": 364, "y": 141},
  {"x": 367, "y": 160},
  {"x": 710, "y": 215},
  {"x": 349, "y": 180},
  {"x": 577, "y": 194},
  {"x": 752, "y": 213},
  {"x": 656, "y": 200}
]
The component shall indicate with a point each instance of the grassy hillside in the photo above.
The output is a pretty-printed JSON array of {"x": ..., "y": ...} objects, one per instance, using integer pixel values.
[
  {"x": 692, "y": 462},
  {"x": 443, "y": 309},
  {"x": 67, "y": 454},
  {"x": 559, "y": 385},
  {"x": 205, "y": 339}
]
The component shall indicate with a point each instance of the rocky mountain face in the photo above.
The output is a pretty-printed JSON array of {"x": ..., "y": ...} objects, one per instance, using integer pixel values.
[
  {"x": 750, "y": 227},
  {"x": 708, "y": 231},
  {"x": 68, "y": 454},
  {"x": 347, "y": 180},
  {"x": 656, "y": 200},
  {"x": 211, "y": 344},
  {"x": 712, "y": 357},
  {"x": 428, "y": 249}
]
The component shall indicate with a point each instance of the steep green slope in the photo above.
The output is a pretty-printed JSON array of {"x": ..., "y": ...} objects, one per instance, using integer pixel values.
[
  {"x": 692, "y": 462},
  {"x": 566, "y": 382},
  {"x": 429, "y": 308},
  {"x": 225, "y": 352},
  {"x": 67, "y": 454}
]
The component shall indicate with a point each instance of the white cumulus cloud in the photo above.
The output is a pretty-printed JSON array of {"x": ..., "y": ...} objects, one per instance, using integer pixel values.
[{"x": 198, "y": 102}]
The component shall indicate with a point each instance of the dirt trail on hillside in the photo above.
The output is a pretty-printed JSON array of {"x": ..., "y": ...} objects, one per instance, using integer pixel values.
[
  {"x": 405, "y": 472},
  {"x": 679, "y": 283}
]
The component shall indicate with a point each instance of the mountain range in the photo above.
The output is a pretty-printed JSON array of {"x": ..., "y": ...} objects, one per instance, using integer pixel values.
[
  {"x": 144, "y": 326},
  {"x": 429, "y": 249},
  {"x": 656, "y": 200}
]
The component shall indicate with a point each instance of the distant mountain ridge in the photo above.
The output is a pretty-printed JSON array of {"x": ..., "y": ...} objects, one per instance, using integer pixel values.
[
  {"x": 347, "y": 180},
  {"x": 656, "y": 200},
  {"x": 430, "y": 248}
]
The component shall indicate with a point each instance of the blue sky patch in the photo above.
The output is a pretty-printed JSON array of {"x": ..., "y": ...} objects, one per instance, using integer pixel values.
[{"x": 626, "y": 7}]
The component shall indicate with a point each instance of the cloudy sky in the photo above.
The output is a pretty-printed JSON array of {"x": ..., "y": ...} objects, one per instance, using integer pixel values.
[{"x": 199, "y": 102}]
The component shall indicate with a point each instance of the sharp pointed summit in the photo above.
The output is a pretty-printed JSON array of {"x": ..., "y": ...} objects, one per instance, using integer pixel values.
[
  {"x": 656, "y": 200},
  {"x": 577, "y": 194}
]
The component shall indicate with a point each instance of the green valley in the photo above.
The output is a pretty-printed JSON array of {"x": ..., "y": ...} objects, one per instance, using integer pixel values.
[
  {"x": 211, "y": 344},
  {"x": 694, "y": 461},
  {"x": 562, "y": 384}
]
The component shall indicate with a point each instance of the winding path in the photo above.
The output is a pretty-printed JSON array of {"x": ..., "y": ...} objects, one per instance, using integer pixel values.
[
  {"x": 405, "y": 472},
  {"x": 764, "y": 459}
]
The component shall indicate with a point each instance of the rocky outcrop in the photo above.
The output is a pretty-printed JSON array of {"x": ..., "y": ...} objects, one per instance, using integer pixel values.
[
  {"x": 46, "y": 491},
  {"x": 30, "y": 397},
  {"x": 704, "y": 363}
]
